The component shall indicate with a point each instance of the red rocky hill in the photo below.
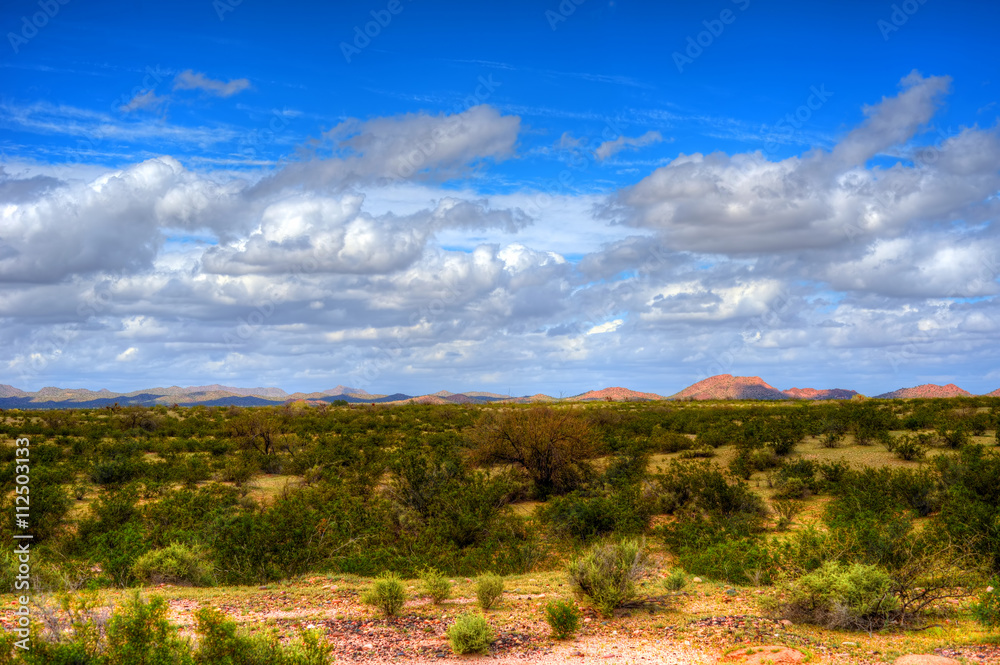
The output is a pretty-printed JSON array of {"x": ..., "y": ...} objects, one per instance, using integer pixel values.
[
  {"x": 926, "y": 390},
  {"x": 813, "y": 393},
  {"x": 615, "y": 395},
  {"x": 727, "y": 386}
]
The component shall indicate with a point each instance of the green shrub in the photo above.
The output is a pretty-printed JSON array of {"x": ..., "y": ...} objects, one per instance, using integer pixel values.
[
  {"x": 802, "y": 551},
  {"x": 386, "y": 593},
  {"x": 117, "y": 470},
  {"x": 703, "y": 486},
  {"x": 7, "y": 640},
  {"x": 8, "y": 570},
  {"x": 702, "y": 451},
  {"x": 787, "y": 511},
  {"x": 833, "y": 472},
  {"x": 238, "y": 471},
  {"x": 661, "y": 441},
  {"x": 71, "y": 633},
  {"x": 470, "y": 634},
  {"x": 792, "y": 488},
  {"x": 563, "y": 618},
  {"x": 736, "y": 560},
  {"x": 221, "y": 644},
  {"x": 953, "y": 438},
  {"x": 908, "y": 448},
  {"x": 113, "y": 533},
  {"x": 310, "y": 649},
  {"x": 489, "y": 589},
  {"x": 675, "y": 580},
  {"x": 436, "y": 585},
  {"x": 606, "y": 575},
  {"x": 987, "y": 608},
  {"x": 44, "y": 652},
  {"x": 139, "y": 634},
  {"x": 174, "y": 564},
  {"x": 325, "y": 522},
  {"x": 918, "y": 489},
  {"x": 117, "y": 552},
  {"x": 623, "y": 512},
  {"x": 714, "y": 436},
  {"x": 857, "y": 596}
]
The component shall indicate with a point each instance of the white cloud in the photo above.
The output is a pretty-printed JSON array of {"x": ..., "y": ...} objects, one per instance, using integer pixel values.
[
  {"x": 609, "y": 148},
  {"x": 745, "y": 204},
  {"x": 127, "y": 355},
  {"x": 147, "y": 100},
  {"x": 339, "y": 267},
  {"x": 414, "y": 146},
  {"x": 610, "y": 326},
  {"x": 191, "y": 80}
]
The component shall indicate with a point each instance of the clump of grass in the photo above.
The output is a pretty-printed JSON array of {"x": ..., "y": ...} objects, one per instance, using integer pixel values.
[
  {"x": 563, "y": 618},
  {"x": 489, "y": 588},
  {"x": 175, "y": 564},
  {"x": 607, "y": 574},
  {"x": 470, "y": 634},
  {"x": 787, "y": 510},
  {"x": 436, "y": 585},
  {"x": 676, "y": 580},
  {"x": 386, "y": 593}
]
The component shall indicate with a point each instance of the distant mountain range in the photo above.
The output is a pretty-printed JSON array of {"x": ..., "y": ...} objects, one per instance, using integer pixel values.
[{"x": 721, "y": 387}]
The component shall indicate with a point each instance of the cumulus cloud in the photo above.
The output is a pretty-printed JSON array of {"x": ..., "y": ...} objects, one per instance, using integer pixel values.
[
  {"x": 746, "y": 204},
  {"x": 358, "y": 260},
  {"x": 110, "y": 224},
  {"x": 308, "y": 233},
  {"x": 921, "y": 267},
  {"x": 192, "y": 80},
  {"x": 892, "y": 121},
  {"x": 414, "y": 146},
  {"x": 609, "y": 148},
  {"x": 22, "y": 190}
]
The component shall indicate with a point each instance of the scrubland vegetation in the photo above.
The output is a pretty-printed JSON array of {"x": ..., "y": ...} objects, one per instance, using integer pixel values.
[{"x": 861, "y": 515}]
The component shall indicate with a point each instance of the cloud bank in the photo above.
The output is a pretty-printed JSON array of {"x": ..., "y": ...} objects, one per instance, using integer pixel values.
[{"x": 335, "y": 268}]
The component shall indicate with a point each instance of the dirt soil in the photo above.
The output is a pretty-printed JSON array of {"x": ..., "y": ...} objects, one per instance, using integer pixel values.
[{"x": 707, "y": 623}]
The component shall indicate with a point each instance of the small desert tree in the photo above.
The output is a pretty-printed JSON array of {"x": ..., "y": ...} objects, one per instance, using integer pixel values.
[
  {"x": 553, "y": 446},
  {"x": 256, "y": 429}
]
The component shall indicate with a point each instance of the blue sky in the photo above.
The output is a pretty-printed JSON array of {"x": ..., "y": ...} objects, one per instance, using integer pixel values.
[{"x": 523, "y": 196}]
